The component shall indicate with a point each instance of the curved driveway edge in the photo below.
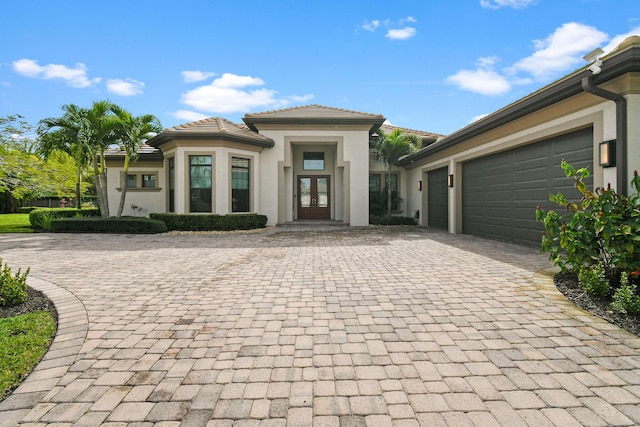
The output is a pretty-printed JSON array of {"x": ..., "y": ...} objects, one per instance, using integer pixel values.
[
  {"x": 335, "y": 327},
  {"x": 73, "y": 325}
]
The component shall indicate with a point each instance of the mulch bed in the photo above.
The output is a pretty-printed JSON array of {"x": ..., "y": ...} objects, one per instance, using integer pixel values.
[
  {"x": 567, "y": 283},
  {"x": 36, "y": 301}
]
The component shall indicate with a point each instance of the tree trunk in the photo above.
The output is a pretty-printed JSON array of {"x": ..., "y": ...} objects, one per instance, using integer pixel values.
[
  {"x": 122, "y": 197},
  {"x": 78, "y": 195},
  {"x": 101, "y": 191}
]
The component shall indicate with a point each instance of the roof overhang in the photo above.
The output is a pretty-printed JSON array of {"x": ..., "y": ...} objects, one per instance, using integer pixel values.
[
  {"x": 372, "y": 123},
  {"x": 167, "y": 136},
  {"x": 616, "y": 65}
]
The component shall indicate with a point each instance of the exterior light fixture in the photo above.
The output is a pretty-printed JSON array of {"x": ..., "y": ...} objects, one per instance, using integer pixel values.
[
  {"x": 419, "y": 185},
  {"x": 594, "y": 58},
  {"x": 450, "y": 180},
  {"x": 608, "y": 153}
]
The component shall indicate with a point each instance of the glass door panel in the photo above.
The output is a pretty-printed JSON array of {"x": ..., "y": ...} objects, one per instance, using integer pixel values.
[
  {"x": 305, "y": 192},
  {"x": 322, "y": 192}
]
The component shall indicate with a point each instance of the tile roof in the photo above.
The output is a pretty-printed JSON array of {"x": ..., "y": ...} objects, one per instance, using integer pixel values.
[
  {"x": 146, "y": 151},
  {"x": 312, "y": 114},
  {"x": 427, "y": 137},
  {"x": 212, "y": 127}
]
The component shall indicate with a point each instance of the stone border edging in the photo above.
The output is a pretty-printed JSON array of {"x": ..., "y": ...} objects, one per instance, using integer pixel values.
[{"x": 73, "y": 325}]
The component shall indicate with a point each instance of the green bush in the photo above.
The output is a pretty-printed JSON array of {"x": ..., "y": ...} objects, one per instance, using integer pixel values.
[
  {"x": 593, "y": 280},
  {"x": 626, "y": 300},
  {"x": 26, "y": 209},
  {"x": 41, "y": 218},
  {"x": 211, "y": 222},
  {"x": 392, "y": 220},
  {"x": 13, "y": 288},
  {"x": 124, "y": 225},
  {"x": 602, "y": 228}
]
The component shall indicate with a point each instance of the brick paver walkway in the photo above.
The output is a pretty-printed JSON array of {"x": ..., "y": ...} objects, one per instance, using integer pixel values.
[{"x": 314, "y": 327}]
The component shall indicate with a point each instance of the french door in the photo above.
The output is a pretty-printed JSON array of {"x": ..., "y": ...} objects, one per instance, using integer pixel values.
[{"x": 313, "y": 197}]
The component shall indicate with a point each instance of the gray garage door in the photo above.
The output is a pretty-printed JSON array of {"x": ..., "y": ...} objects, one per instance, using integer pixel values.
[
  {"x": 500, "y": 192},
  {"x": 438, "y": 199}
]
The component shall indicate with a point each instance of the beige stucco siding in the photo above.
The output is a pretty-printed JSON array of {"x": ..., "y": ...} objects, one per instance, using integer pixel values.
[
  {"x": 347, "y": 163},
  {"x": 148, "y": 200}
]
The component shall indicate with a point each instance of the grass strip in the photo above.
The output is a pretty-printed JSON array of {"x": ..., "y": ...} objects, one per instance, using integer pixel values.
[
  {"x": 24, "y": 339},
  {"x": 15, "y": 223}
]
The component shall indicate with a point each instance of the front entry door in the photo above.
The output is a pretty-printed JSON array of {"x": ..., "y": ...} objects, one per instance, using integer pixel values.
[{"x": 313, "y": 197}]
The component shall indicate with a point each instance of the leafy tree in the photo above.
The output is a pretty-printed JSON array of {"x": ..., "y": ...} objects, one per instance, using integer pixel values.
[
  {"x": 24, "y": 175},
  {"x": 132, "y": 133},
  {"x": 391, "y": 147},
  {"x": 90, "y": 131}
]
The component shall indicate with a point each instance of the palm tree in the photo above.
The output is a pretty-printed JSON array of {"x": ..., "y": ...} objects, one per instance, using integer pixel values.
[
  {"x": 132, "y": 133},
  {"x": 391, "y": 147},
  {"x": 90, "y": 131},
  {"x": 63, "y": 134}
]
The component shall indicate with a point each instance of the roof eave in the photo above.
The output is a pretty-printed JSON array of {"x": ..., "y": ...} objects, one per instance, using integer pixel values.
[
  {"x": 615, "y": 66},
  {"x": 253, "y": 121}
]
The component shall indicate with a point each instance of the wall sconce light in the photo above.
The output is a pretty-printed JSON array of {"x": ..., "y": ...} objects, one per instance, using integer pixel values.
[
  {"x": 608, "y": 153},
  {"x": 450, "y": 180},
  {"x": 419, "y": 185}
]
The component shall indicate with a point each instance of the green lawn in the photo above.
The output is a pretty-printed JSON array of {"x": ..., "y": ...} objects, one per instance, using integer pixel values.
[
  {"x": 15, "y": 223},
  {"x": 24, "y": 340}
]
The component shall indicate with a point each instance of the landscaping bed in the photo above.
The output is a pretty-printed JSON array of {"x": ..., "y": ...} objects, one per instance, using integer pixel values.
[{"x": 567, "y": 283}]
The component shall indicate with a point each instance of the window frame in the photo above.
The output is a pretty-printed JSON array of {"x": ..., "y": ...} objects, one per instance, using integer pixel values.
[
  {"x": 139, "y": 179},
  {"x": 189, "y": 201},
  {"x": 249, "y": 189}
]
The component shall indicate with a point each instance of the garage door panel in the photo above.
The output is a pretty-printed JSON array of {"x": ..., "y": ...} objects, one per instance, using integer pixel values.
[{"x": 500, "y": 192}]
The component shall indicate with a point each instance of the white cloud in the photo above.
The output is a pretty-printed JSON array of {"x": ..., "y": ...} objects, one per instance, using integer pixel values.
[
  {"x": 371, "y": 25},
  {"x": 126, "y": 87},
  {"x": 496, "y": 4},
  {"x": 231, "y": 93},
  {"x": 620, "y": 38},
  {"x": 190, "y": 116},
  {"x": 561, "y": 50},
  {"x": 482, "y": 81},
  {"x": 401, "y": 34},
  {"x": 75, "y": 77},
  {"x": 196, "y": 76}
]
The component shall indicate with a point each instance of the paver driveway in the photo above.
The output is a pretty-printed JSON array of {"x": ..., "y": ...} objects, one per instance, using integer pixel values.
[{"x": 322, "y": 327}]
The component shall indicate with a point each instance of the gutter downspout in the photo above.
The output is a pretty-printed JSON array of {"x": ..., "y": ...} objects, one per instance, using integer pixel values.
[{"x": 621, "y": 129}]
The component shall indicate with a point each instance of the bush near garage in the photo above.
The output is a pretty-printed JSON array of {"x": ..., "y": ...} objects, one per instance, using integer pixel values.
[
  {"x": 41, "y": 218},
  {"x": 122, "y": 225},
  {"x": 180, "y": 222},
  {"x": 597, "y": 238}
]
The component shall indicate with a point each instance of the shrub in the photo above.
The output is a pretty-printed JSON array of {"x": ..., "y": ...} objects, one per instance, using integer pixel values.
[
  {"x": 13, "y": 288},
  {"x": 41, "y": 218},
  {"x": 625, "y": 299},
  {"x": 602, "y": 228},
  {"x": 392, "y": 220},
  {"x": 593, "y": 280},
  {"x": 26, "y": 209},
  {"x": 124, "y": 225},
  {"x": 211, "y": 222}
]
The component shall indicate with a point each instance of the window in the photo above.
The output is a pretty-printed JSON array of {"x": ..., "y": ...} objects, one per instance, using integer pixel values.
[
  {"x": 240, "y": 195},
  {"x": 140, "y": 181},
  {"x": 148, "y": 180},
  {"x": 200, "y": 183},
  {"x": 172, "y": 184},
  {"x": 313, "y": 161},
  {"x": 131, "y": 181}
]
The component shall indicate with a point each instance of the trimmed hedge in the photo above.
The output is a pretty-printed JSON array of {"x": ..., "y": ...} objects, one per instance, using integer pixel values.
[
  {"x": 124, "y": 225},
  {"x": 26, "y": 209},
  {"x": 41, "y": 218},
  {"x": 211, "y": 222},
  {"x": 392, "y": 220}
]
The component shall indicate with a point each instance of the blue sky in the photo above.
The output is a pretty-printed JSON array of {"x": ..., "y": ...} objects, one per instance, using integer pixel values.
[{"x": 432, "y": 65}]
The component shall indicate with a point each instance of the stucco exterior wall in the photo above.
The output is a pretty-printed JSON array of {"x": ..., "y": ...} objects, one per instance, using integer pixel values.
[
  {"x": 148, "y": 200},
  {"x": 279, "y": 166},
  {"x": 633, "y": 136}
]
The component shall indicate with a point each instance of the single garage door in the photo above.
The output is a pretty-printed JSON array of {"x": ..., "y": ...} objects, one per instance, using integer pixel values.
[
  {"x": 438, "y": 199},
  {"x": 500, "y": 192}
]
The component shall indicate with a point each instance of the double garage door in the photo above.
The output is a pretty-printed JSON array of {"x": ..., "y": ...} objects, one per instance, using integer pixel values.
[{"x": 500, "y": 192}]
